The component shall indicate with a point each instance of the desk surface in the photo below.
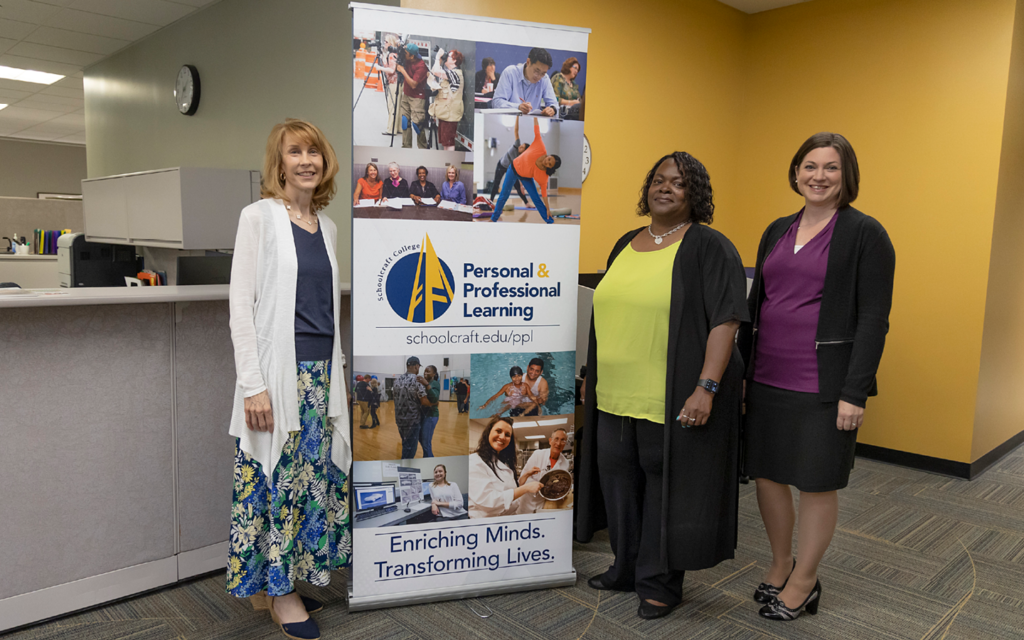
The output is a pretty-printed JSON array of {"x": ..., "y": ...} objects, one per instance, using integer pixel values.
[
  {"x": 412, "y": 213},
  {"x": 81, "y": 296},
  {"x": 395, "y": 517}
]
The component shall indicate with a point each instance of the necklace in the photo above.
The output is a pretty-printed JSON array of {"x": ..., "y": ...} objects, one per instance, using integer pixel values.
[
  {"x": 298, "y": 216},
  {"x": 657, "y": 239}
]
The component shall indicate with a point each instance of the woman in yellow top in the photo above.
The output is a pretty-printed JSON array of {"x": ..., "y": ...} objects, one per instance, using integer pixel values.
[{"x": 659, "y": 463}]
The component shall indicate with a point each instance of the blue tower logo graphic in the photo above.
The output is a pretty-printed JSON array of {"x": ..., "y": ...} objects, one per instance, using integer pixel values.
[{"x": 420, "y": 287}]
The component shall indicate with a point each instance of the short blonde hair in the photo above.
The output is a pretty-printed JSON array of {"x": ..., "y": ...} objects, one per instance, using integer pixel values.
[
  {"x": 451, "y": 166},
  {"x": 272, "y": 185}
]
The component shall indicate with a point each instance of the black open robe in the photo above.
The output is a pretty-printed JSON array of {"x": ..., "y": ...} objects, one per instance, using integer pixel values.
[{"x": 701, "y": 473}]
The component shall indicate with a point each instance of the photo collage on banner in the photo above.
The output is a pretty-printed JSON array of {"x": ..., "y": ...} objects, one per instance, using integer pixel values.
[{"x": 463, "y": 334}]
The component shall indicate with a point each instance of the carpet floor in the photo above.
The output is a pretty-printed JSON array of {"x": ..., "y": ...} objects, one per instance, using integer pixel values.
[{"x": 916, "y": 556}]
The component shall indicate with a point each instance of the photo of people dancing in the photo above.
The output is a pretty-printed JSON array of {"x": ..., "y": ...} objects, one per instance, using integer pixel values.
[{"x": 533, "y": 166}]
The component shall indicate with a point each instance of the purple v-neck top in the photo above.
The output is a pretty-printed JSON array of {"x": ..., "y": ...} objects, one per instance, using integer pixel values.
[{"x": 788, "y": 321}]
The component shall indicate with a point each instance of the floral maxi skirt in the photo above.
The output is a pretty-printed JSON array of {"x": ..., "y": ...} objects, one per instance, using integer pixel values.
[{"x": 295, "y": 527}]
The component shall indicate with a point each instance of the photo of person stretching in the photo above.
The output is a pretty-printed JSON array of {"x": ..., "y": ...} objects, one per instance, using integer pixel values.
[
  {"x": 514, "y": 152},
  {"x": 516, "y": 393},
  {"x": 534, "y": 166}
]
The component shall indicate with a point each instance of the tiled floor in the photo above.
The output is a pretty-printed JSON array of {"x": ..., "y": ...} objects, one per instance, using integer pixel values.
[{"x": 916, "y": 556}]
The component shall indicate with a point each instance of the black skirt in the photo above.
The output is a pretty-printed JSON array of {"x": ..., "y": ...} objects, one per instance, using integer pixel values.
[{"x": 790, "y": 437}]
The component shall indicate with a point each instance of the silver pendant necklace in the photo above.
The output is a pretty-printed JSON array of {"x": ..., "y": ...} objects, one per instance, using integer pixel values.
[
  {"x": 298, "y": 216},
  {"x": 657, "y": 239}
]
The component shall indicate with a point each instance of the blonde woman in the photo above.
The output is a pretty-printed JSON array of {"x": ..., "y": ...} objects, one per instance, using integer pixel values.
[
  {"x": 448, "y": 105},
  {"x": 445, "y": 498},
  {"x": 289, "y": 519},
  {"x": 451, "y": 189}
]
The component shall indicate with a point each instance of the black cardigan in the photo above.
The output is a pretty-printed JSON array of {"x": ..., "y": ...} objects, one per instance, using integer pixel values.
[
  {"x": 855, "y": 303},
  {"x": 701, "y": 476}
]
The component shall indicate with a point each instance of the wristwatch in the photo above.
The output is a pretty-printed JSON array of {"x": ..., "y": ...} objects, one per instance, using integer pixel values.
[{"x": 708, "y": 384}]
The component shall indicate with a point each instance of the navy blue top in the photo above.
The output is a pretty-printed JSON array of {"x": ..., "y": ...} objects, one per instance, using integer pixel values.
[{"x": 314, "y": 297}]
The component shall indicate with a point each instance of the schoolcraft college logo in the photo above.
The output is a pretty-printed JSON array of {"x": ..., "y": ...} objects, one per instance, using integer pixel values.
[{"x": 420, "y": 286}]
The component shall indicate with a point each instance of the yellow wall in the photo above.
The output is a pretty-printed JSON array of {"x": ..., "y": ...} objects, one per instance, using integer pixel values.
[
  {"x": 920, "y": 89},
  {"x": 1000, "y": 402},
  {"x": 634, "y": 114}
]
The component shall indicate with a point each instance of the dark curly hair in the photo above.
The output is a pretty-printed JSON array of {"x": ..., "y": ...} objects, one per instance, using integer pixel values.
[{"x": 697, "y": 185}]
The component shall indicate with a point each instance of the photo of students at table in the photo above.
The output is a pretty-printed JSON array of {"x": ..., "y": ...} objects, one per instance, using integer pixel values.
[{"x": 422, "y": 191}]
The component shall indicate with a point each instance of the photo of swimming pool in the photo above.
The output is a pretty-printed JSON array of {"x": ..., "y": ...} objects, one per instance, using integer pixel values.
[{"x": 489, "y": 372}]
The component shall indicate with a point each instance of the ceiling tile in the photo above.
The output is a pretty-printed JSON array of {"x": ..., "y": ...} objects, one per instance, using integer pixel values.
[
  {"x": 16, "y": 30},
  {"x": 195, "y": 3},
  {"x": 73, "y": 82},
  {"x": 15, "y": 113},
  {"x": 53, "y": 54},
  {"x": 70, "y": 120},
  {"x": 77, "y": 103},
  {"x": 156, "y": 12},
  {"x": 19, "y": 86},
  {"x": 50, "y": 107},
  {"x": 6, "y": 44},
  {"x": 64, "y": 92},
  {"x": 75, "y": 138},
  {"x": 10, "y": 96},
  {"x": 98, "y": 25},
  {"x": 55, "y": 127},
  {"x": 75, "y": 40},
  {"x": 59, "y": 3},
  {"x": 29, "y": 134},
  {"x": 35, "y": 64},
  {"x": 25, "y": 11}
]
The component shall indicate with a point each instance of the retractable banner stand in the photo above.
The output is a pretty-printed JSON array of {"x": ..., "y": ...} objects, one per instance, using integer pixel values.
[{"x": 467, "y": 166}]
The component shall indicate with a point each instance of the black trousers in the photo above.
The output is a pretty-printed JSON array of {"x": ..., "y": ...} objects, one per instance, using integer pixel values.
[
  {"x": 499, "y": 175},
  {"x": 630, "y": 463}
]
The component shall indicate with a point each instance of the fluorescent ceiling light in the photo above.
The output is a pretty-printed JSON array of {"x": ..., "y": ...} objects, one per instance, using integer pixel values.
[
  {"x": 523, "y": 423},
  {"x": 3, "y": 106},
  {"x": 26, "y": 75},
  {"x": 548, "y": 423},
  {"x": 535, "y": 437}
]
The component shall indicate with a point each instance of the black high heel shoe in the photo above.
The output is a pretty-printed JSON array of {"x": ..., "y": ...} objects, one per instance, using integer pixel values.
[
  {"x": 777, "y": 610},
  {"x": 765, "y": 591}
]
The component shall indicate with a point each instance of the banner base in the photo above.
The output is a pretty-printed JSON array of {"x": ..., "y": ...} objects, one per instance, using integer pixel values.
[{"x": 383, "y": 601}]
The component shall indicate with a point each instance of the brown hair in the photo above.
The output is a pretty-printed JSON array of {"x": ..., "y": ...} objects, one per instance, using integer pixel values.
[
  {"x": 445, "y": 475},
  {"x": 366, "y": 173},
  {"x": 848, "y": 164},
  {"x": 457, "y": 55},
  {"x": 272, "y": 185},
  {"x": 567, "y": 65}
]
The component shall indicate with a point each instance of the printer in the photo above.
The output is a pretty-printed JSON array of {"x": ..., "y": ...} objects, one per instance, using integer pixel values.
[{"x": 93, "y": 264}]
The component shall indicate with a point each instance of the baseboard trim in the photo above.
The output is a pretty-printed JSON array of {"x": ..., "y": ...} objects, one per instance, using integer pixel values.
[
  {"x": 29, "y": 608},
  {"x": 205, "y": 560},
  {"x": 982, "y": 464},
  {"x": 963, "y": 470}
]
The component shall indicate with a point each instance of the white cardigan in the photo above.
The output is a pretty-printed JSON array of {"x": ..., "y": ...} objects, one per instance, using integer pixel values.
[{"x": 262, "y": 305}]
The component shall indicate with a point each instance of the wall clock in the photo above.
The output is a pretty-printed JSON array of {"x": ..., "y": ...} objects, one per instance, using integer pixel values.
[
  {"x": 587, "y": 157},
  {"x": 186, "y": 90}
]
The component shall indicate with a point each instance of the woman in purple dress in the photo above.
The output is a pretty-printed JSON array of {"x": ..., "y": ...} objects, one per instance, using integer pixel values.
[{"x": 820, "y": 307}]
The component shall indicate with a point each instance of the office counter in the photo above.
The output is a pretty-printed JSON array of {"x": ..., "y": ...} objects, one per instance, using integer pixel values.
[{"x": 116, "y": 461}]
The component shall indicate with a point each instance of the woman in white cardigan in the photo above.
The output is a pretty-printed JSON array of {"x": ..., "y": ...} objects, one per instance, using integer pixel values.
[
  {"x": 493, "y": 482},
  {"x": 289, "y": 520}
]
